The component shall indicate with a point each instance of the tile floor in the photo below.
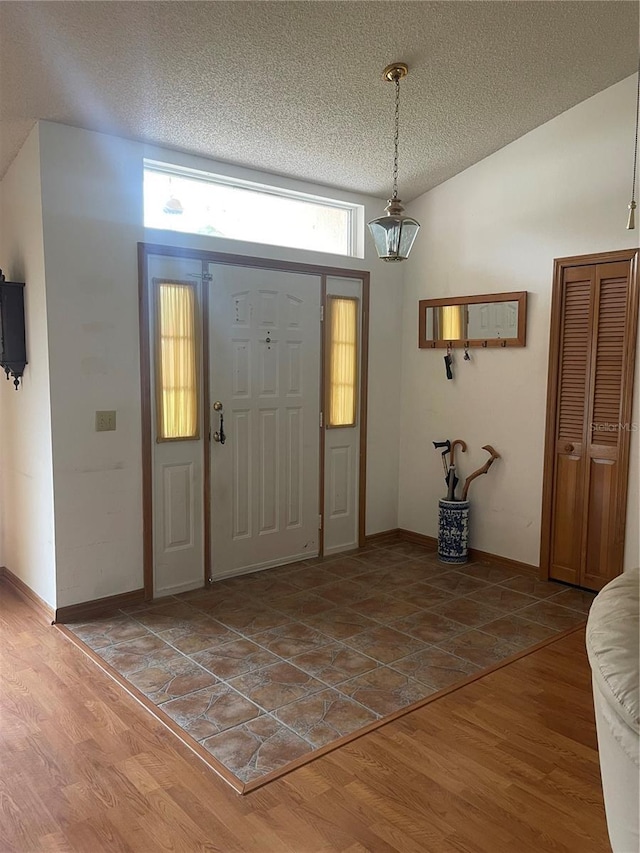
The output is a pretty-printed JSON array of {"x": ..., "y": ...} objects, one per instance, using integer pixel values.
[{"x": 265, "y": 668}]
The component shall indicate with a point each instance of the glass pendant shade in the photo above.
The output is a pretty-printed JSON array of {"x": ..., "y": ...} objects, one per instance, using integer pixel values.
[{"x": 394, "y": 233}]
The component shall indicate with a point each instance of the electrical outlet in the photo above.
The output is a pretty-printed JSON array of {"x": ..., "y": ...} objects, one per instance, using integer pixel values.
[{"x": 105, "y": 421}]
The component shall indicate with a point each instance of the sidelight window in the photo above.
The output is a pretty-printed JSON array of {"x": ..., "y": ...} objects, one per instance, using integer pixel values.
[
  {"x": 342, "y": 324},
  {"x": 177, "y": 360}
]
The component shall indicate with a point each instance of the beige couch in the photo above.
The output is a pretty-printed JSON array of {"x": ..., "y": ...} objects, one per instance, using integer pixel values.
[{"x": 613, "y": 646}]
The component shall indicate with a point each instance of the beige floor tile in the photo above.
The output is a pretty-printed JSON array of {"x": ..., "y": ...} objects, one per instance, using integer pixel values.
[
  {"x": 517, "y": 631},
  {"x": 172, "y": 677},
  {"x": 429, "y": 627},
  {"x": 291, "y": 639},
  {"x": 381, "y": 559},
  {"x": 303, "y": 604},
  {"x": 491, "y": 574},
  {"x": 436, "y": 668},
  {"x": 479, "y": 648},
  {"x": 459, "y": 583},
  {"x": 325, "y": 717},
  {"x": 340, "y": 623},
  {"x": 210, "y": 711},
  {"x": 343, "y": 592},
  {"x": 277, "y": 685},
  {"x": 334, "y": 663},
  {"x": 235, "y": 658},
  {"x": 252, "y": 618},
  {"x": 174, "y": 615},
  {"x": 135, "y": 654},
  {"x": 501, "y": 598},
  {"x": 384, "y": 608},
  {"x": 201, "y": 632},
  {"x": 256, "y": 748},
  {"x": 553, "y": 615},
  {"x": 385, "y": 690},
  {"x": 574, "y": 599},
  {"x": 532, "y": 586},
  {"x": 467, "y": 611},
  {"x": 104, "y": 632},
  {"x": 423, "y": 595},
  {"x": 385, "y": 644}
]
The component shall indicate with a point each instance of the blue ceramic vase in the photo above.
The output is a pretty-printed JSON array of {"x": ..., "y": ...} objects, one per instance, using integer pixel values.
[{"x": 453, "y": 531}]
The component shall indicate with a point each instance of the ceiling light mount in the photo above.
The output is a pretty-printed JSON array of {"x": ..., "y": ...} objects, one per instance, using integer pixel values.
[
  {"x": 394, "y": 233},
  {"x": 395, "y": 71}
]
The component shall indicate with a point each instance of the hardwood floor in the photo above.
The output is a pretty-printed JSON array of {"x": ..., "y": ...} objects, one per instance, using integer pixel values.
[{"x": 506, "y": 764}]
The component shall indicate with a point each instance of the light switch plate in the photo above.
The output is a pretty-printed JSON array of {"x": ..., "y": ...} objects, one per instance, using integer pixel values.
[{"x": 105, "y": 421}]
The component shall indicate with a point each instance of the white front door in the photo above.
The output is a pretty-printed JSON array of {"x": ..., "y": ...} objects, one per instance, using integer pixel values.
[
  {"x": 264, "y": 368},
  {"x": 342, "y": 443}
]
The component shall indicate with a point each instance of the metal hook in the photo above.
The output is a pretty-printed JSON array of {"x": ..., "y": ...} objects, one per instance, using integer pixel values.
[{"x": 467, "y": 357}]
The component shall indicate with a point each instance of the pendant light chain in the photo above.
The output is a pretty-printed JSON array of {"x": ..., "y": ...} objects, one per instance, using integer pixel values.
[
  {"x": 395, "y": 140},
  {"x": 635, "y": 150},
  {"x": 395, "y": 232}
]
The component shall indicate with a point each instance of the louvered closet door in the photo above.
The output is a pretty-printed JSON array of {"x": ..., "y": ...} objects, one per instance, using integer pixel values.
[
  {"x": 596, "y": 334},
  {"x": 578, "y": 293}
]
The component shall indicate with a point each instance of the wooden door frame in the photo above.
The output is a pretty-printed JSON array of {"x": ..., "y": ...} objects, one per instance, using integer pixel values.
[
  {"x": 145, "y": 250},
  {"x": 559, "y": 266}
]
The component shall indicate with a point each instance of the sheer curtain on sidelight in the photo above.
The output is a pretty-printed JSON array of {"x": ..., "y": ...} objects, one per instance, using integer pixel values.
[
  {"x": 177, "y": 361},
  {"x": 343, "y": 360}
]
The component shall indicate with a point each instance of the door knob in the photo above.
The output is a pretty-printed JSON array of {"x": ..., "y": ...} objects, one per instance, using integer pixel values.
[{"x": 569, "y": 448}]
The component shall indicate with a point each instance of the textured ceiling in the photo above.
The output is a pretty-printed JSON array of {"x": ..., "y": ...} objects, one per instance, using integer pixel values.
[{"x": 295, "y": 88}]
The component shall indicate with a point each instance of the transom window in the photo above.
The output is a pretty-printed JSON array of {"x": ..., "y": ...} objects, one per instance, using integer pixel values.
[{"x": 200, "y": 203}]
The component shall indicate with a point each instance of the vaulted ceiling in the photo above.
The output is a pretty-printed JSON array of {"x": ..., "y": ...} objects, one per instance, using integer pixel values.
[{"x": 295, "y": 88}]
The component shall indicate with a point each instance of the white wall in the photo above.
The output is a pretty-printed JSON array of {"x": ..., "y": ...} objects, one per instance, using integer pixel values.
[
  {"x": 92, "y": 219},
  {"x": 561, "y": 190},
  {"x": 26, "y": 474}
]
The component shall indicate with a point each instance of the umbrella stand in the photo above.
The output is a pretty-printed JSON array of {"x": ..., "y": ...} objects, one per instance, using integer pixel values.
[{"x": 453, "y": 531}]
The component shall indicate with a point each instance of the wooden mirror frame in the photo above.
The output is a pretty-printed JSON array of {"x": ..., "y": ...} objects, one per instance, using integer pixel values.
[{"x": 519, "y": 296}]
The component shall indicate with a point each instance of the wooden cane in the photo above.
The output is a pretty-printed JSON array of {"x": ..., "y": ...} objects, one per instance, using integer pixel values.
[{"x": 494, "y": 455}]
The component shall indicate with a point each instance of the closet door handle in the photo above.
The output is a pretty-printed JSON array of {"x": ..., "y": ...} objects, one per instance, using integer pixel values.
[{"x": 569, "y": 448}]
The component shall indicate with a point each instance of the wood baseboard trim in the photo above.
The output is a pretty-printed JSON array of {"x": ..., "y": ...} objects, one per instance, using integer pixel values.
[
  {"x": 99, "y": 606},
  {"x": 506, "y": 562},
  {"x": 37, "y": 604},
  {"x": 474, "y": 554},
  {"x": 383, "y": 536},
  {"x": 429, "y": 542}
]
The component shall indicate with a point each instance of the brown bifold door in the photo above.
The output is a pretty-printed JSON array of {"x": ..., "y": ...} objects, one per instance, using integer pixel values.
[{"x": 593, "y": 337}]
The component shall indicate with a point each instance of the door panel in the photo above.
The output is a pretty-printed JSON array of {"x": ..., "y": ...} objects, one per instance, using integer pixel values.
[
  {"x": 566, "y": 536},
  {"x": 264, "y": 329},
  {"x": 594, "y": 323},
  {"x": 600, "y": 556},
  {"x": 342, "y": 446},
  {"x": 572, "y": 411},
  {"x": 177, "y": 470}
]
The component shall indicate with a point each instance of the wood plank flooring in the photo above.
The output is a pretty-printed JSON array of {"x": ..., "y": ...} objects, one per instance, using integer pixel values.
[{"x": 507, "y": 764}]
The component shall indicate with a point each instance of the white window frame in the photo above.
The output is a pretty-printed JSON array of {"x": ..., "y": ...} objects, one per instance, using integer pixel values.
[{"x": 355, "y": 235}]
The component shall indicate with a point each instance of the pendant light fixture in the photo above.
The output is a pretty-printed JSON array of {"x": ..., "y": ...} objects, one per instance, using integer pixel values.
[
  {"x": 394, "y": 233},
  {"x": 631, "y": 222}
]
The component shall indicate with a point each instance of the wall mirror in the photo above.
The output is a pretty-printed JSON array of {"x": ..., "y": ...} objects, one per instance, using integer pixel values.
[{"x": 485, "y": 320}]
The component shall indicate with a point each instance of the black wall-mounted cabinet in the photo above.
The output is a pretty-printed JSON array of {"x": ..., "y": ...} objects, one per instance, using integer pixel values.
[{"x": 13, "y": 352}]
